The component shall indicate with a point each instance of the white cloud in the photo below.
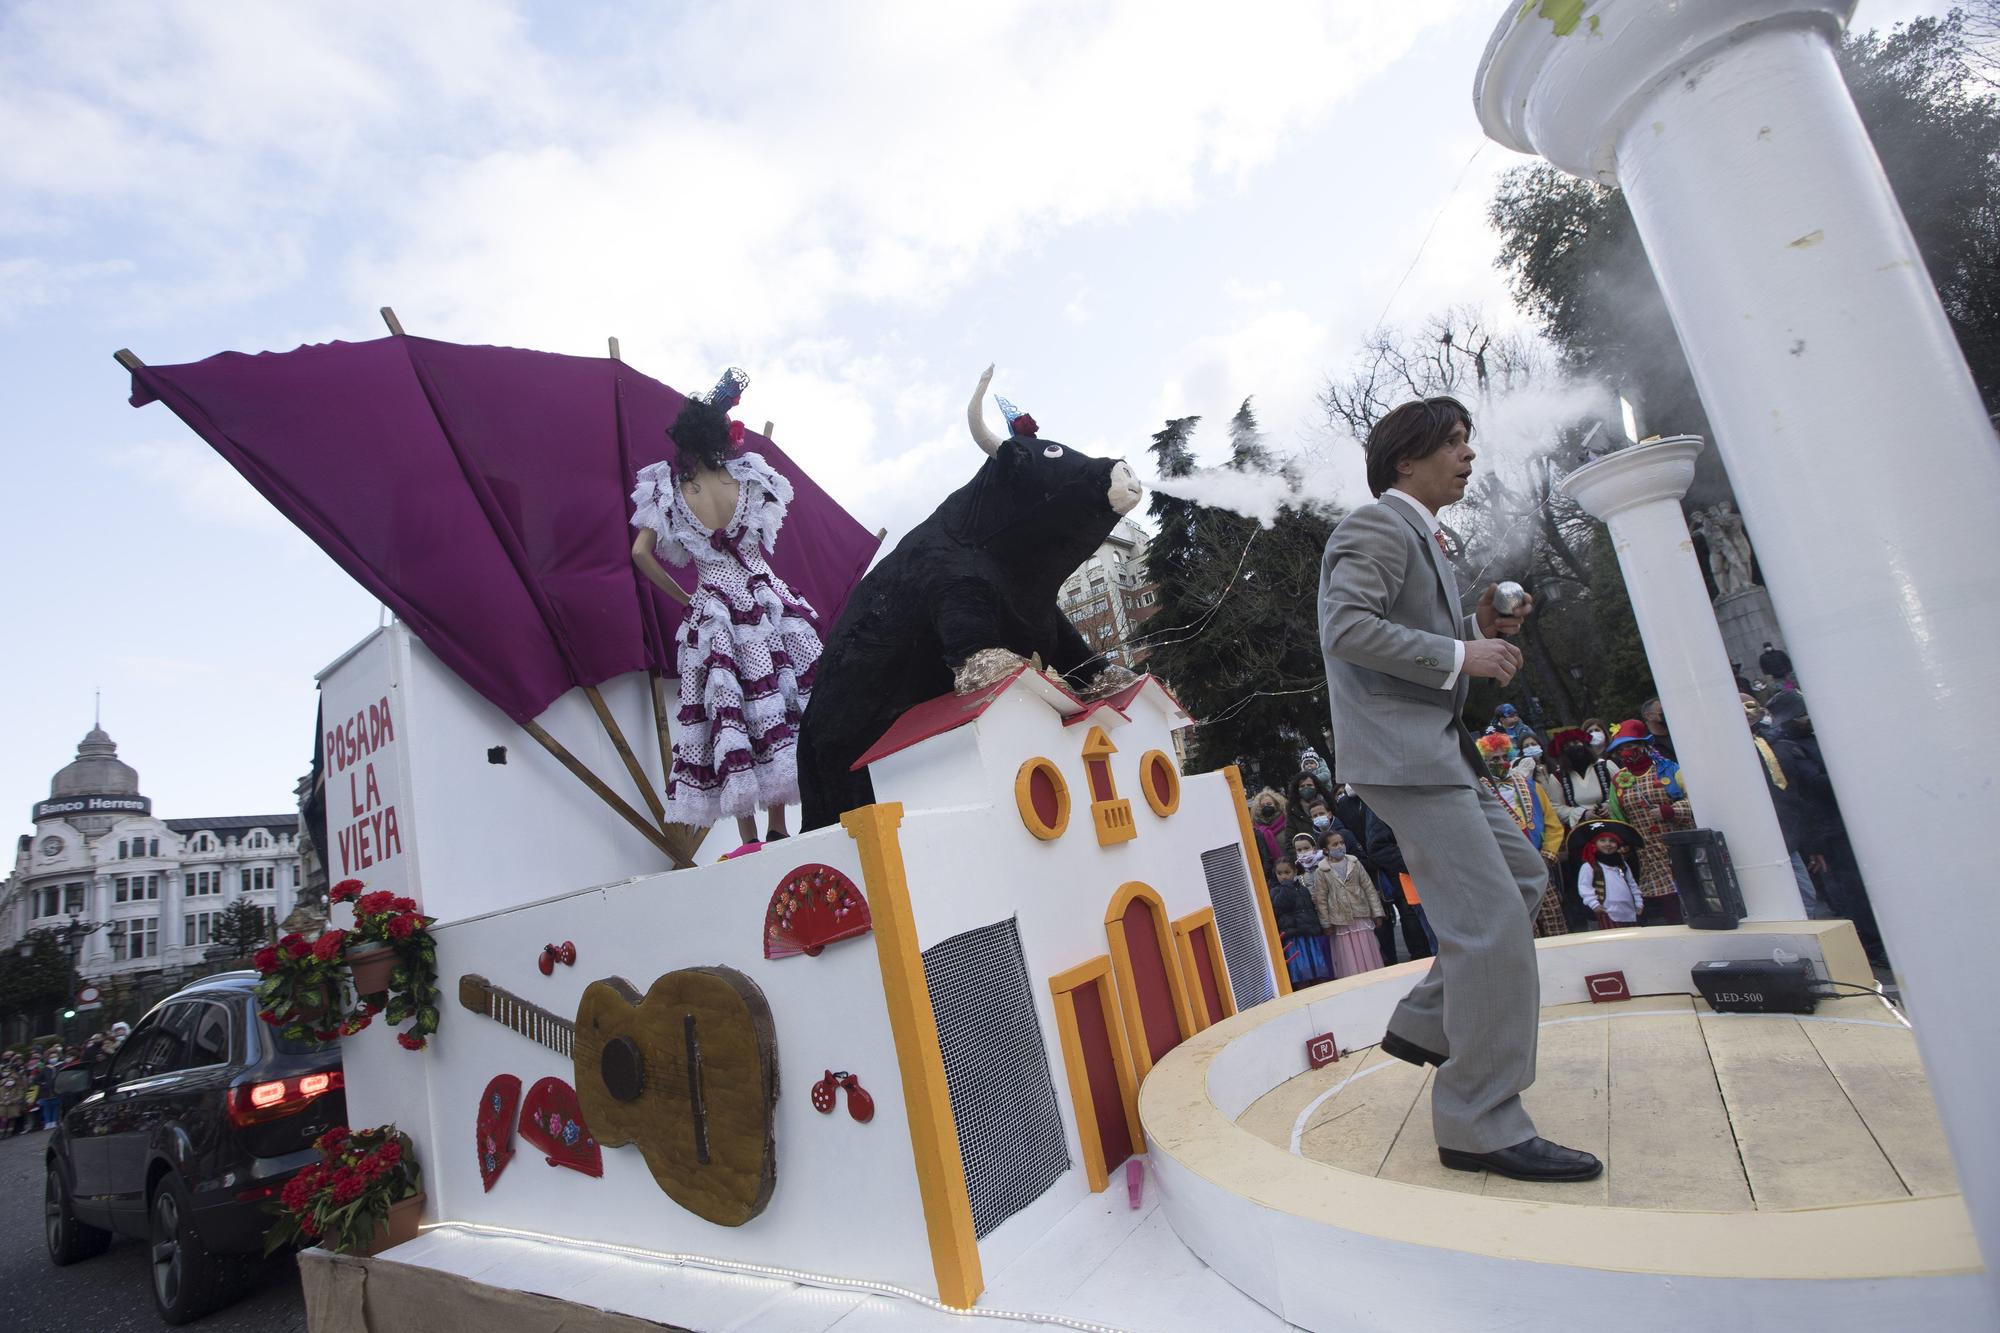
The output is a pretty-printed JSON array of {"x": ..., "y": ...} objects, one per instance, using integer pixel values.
[
  {"x": 200, "y": 485},
  {"x": 28, "y": 283}
]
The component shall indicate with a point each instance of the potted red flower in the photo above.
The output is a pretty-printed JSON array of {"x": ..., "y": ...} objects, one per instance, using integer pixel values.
[
  {"x": 388, "y": 959},
  {"x": 364, "y": 1195},
  {"x": 302, "y": 994}
]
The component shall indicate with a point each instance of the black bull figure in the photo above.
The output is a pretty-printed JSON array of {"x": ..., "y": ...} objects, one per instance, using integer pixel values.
[{"x": 982, "y": 572}]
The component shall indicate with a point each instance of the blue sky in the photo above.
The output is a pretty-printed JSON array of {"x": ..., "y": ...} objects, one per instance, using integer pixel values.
[{"x": 1136, "y": 210}]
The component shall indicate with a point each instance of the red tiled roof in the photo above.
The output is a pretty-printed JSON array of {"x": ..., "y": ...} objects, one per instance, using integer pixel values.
[{"x": 948, "y": 712}]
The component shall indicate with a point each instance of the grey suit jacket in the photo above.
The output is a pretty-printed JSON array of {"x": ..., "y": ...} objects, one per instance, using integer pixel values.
[{"x": 1389, "y": 613}]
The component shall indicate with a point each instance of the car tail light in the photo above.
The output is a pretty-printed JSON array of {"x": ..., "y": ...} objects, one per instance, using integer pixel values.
[{"x": 253, "y": 1103}]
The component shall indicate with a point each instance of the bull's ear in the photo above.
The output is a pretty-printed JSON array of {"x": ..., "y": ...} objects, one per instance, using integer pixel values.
[{"x": 1012, "y": 453}]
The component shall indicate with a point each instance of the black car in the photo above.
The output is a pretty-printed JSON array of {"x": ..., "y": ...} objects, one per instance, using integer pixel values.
[{"x": 182, "y": 1138}]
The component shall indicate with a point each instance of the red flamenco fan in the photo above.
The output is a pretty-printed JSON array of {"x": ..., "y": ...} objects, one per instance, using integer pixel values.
[
  {"x": 814, "y": 906},
  {"x": 493, "y": 1134},
  {"x": 552, "y": 1122}
]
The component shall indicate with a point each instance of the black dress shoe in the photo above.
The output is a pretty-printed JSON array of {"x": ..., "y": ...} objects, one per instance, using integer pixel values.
[
  {"x": 1534, "y": 1159},
  {"x": 1409, "y": 1050}
]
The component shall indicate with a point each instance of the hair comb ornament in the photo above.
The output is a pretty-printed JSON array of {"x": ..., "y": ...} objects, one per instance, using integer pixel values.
[
  {"x": 728, "y": 390},
  {"x": 1018, "y": 422}
]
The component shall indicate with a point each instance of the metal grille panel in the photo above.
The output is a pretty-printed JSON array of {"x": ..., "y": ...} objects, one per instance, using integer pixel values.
[
  {"x": 1241, "y": 929},
  {"x": 1003, "y": 1098}
]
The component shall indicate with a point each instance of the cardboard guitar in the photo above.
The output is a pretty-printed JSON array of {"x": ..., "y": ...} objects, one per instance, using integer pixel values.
[{"x": 689, "y": 1072}]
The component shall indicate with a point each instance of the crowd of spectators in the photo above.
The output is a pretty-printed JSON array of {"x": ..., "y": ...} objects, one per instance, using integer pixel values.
[
  {"x": 28, "y": 1097},
  {"x": 1597, "y": 802}
]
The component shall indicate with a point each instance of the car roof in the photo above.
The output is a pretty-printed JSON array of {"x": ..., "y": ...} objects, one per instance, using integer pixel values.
[{"x": 238, "y": 981}]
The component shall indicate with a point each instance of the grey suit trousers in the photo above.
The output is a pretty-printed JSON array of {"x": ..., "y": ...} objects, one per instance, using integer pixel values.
[{"x": 1480, "y": 1003}]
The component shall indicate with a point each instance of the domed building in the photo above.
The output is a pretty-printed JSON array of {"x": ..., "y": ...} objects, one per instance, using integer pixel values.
[{"x": 146, "y": 890}]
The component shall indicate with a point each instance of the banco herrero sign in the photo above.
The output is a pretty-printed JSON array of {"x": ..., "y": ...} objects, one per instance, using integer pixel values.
[{"x": 92, "y": 805}]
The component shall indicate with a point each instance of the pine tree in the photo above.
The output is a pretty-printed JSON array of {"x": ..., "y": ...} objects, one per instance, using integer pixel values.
[
  {"x": 1238, "y": 642},
  {"x": 240, "y": 928}
]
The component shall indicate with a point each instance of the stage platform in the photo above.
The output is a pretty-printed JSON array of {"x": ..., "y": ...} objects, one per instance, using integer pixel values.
[
  {"x": 1692, "y": 1111},
  {"x": 1762, "y": 1170}
]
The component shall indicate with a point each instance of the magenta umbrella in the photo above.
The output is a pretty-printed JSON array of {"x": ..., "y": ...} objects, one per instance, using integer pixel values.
[{"x": 482, "y": 494}]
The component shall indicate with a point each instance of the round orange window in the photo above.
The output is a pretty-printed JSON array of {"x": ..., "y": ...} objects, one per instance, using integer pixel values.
[
  {"x": 1160, "y": 782},
  {"x": 1043, "y": 798}
]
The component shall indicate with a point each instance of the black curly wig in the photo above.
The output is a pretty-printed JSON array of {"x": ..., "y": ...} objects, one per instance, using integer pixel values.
[{"x": 701, "y": 438}]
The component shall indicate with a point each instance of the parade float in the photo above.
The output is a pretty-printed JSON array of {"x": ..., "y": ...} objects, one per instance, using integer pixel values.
[{"x": 1013, "y": 1040}]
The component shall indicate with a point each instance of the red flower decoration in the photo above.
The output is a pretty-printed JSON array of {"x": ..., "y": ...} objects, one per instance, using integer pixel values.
[
  {"x": 372, "y": 903},
  {"x": 409, "y": 1043},
  {"x": 401, "y": 926},
  {"x": 328, "y": 946},
  {"x": 1024, "y": 425},
  {"x": 391, "y": 1153},
  {"x": 348, "y": 1184},
  {"x": 297, "y": 947},
  {"x": 404, "y": 905},
  {"x": 265, "y": 960},
  {"x": 736, "y": 433},
  {"x": 344, "y": 891},
  {"x": 329, "y": 1143}
]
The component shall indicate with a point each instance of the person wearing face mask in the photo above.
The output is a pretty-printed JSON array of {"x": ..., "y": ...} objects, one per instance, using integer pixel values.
[
  {"x": 1641, "y": 798},
  {"x": 1268, "y": 821},
  {"x": 1300, "y": 793},
  {"x": 1320, "y": 814},
  {"x": 1581, "y": 781},
  {"x": 1596, "y": 733},
  {"x": 1536, "y": 815}
]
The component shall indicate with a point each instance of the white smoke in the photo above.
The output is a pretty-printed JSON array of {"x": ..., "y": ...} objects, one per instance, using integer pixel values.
[
  {"x": 1257, "y": 496},
  {"x": 1509, "y": 430},
  {"x": 1514, "y": 427}
]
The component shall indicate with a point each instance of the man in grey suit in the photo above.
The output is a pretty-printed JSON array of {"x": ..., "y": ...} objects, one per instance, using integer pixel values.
[{"x": 1399, "y": 651}]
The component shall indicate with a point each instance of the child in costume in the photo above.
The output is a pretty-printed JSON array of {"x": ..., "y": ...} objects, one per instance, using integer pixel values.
[
  {"x": 747, "y": 645},
  {"x": 1605, "y": 881},
  {"x": 1349, "y": 908},
  {"x": 1307, "y": 957}
]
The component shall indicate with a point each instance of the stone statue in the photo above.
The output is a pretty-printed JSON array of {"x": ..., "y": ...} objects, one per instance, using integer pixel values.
[{"x": 1728, "y": 547}]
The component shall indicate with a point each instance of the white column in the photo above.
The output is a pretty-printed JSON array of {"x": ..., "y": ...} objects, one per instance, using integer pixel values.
[
  {"x": 1636, "y": 492},
  {"x": 1862, "y": 459}
]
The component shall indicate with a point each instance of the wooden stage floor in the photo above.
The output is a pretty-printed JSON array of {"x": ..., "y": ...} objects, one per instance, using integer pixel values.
[{"x": 1691, "y": 1110}]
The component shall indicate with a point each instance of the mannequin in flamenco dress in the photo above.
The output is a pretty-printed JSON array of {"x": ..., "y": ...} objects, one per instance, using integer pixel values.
[{"x": 748, "y": 645}]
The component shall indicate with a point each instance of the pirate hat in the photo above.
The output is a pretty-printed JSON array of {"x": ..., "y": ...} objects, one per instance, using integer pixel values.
[{"x": 1586, "y": 834}]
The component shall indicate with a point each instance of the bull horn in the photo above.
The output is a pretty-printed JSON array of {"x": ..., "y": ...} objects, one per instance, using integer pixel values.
[{"x": 975, "y": 416}]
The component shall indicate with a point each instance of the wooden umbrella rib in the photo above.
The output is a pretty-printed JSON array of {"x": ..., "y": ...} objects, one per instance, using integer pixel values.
[
  {"x": 618, "y": 743},
  {"x": 604, "y": 793}
]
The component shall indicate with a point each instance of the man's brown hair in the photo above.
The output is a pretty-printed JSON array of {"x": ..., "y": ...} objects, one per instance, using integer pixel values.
[{"x": 1414, "y": 430}]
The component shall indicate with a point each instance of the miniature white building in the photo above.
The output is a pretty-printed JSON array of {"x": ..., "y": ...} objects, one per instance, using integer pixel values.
[{"x": 1054, "y": 907}]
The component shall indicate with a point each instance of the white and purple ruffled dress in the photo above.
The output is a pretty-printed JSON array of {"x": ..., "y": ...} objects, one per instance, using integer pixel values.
[{"x": 746, "y": 650}]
